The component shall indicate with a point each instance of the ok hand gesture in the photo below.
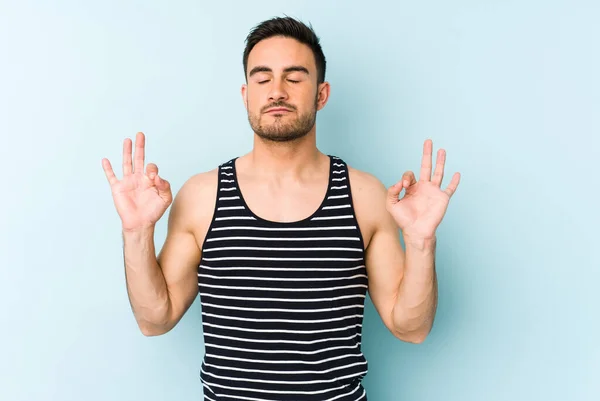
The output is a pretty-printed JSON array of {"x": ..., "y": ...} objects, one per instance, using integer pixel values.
[
  {"x": 141, "y": 198},
  {"x": 420, "y": 211}
]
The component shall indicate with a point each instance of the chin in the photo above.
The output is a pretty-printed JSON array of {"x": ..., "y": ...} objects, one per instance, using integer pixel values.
[{"x": 281, "y": 136}]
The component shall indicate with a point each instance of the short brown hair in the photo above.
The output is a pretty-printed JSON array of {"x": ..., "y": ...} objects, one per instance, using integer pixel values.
[{"x": 290, "y": 28}]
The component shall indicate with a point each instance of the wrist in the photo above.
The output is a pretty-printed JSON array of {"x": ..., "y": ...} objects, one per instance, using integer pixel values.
[
  {"x": 419, "y": 242},
  {"x": 138, "y": 233}
]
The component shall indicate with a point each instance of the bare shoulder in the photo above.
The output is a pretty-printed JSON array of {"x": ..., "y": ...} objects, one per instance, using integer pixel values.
[
  {"x": 362, "y": 180},
  {"x": 195, "y": 187},
  {"x": 194, "y": 203},
  {"x": 369, "y": 197}
]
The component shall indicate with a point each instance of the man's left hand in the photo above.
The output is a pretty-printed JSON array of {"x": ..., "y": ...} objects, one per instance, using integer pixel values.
[{"x": 421, "y": 210}]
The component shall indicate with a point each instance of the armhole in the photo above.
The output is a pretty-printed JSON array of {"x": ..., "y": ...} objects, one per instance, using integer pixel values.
[
  {"x": 214, "y": 214},
  {"x": 362, "y": 241}
]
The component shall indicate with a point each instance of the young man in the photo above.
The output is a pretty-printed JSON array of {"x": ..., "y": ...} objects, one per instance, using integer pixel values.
[{"x": 282, "y": 243}]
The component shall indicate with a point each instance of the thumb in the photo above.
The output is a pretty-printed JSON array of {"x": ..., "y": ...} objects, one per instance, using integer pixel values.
[
  {"x": 161, "y": 185},
  {"x": 407, "y": 180},
  {"x": 394, "y": 192},
  {"x": 163, "y": 188}
]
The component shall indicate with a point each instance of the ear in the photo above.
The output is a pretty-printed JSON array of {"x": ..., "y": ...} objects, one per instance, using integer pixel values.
[
  {"x": 323, "y": 92},
  {"x": 244, "y": 92}
]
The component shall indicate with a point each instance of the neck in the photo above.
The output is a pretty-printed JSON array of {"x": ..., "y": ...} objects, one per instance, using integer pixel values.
[{"x": 285, "y": 159}]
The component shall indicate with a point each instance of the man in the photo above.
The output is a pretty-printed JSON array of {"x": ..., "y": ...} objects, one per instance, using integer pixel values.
[{"x": 282, "y": 243}]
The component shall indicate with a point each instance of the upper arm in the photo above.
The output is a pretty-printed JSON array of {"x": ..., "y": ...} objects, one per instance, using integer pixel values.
[
  {"x": 384, "y": 256},
  {"x": 189, "y": 218}
]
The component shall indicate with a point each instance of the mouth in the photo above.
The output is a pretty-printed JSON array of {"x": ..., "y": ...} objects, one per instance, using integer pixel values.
[{"x": 277, "y": 110}]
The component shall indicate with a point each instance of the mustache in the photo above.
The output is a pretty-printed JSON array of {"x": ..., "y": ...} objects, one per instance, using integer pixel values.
[{"x": 278, "y": 104}]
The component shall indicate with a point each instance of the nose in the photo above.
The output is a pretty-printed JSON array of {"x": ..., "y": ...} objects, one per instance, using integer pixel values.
[{"x": 277, "y": 92}]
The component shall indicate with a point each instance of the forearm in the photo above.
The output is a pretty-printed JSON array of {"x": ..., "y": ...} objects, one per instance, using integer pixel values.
[
  {"x": 416, "y": 302},
  {"x": 146, "y": 285}
]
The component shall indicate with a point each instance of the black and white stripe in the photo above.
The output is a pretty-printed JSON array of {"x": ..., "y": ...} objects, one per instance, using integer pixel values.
[{"x": 282, "y": 303}]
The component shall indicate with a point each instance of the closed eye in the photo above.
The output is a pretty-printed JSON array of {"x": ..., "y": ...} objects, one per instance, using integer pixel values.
[{"x": 293, "y": 81}]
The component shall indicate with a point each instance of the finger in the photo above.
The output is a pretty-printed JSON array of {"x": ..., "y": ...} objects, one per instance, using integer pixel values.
[
  {"x": 127, "y": 166},
  {"x": 451, "y": 188},
  {"x": 108, "y": 171},
  {"x": 438, "y": 174},
  {"x": 407, "y": 180},
  {"x": 151, "y": 170},
  {"x": 426, "y": 161},
  {"x": 138, "y": 162}
]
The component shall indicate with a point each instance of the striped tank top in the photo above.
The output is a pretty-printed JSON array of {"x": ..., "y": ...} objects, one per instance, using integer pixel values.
[{"x": 282, "y": 302}]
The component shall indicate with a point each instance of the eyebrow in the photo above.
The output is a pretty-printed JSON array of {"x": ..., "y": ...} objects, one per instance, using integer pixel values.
[{"x": 262, "y": 68}]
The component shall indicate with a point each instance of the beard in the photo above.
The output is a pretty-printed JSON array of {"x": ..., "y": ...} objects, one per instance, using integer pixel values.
[{"x": 283, "y": 128}]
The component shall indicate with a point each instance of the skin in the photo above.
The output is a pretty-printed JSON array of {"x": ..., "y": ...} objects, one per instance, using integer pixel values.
[{"x": 284, "y": 178}]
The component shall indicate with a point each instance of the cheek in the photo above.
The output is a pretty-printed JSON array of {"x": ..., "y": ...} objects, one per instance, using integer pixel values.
[
  {"x": 309, "y": 100},
  {"x": 253, "y": 100}
]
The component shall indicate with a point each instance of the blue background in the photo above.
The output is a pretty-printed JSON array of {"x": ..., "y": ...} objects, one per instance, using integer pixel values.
[{"x": 509, "y": 88}]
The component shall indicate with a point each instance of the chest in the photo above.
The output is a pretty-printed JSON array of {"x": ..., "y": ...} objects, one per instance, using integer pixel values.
[{"x": 283, "y": 203}]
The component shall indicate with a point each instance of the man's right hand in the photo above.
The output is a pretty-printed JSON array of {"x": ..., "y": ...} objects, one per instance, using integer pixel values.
[{"x": 141, "y": 198}]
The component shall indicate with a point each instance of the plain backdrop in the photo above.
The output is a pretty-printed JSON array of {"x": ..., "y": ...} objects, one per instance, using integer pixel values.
[{"x": 509, "y": 88}]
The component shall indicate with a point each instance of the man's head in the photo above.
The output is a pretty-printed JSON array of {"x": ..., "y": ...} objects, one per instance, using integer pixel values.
[{"x": 285, "y": 79}]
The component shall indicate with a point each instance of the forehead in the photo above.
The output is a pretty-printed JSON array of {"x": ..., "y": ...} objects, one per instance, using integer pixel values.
[{"x": 279, "y": 53}]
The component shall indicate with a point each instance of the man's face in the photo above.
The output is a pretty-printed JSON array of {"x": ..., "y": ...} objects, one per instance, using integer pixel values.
[{"x": 282, "y": 96}]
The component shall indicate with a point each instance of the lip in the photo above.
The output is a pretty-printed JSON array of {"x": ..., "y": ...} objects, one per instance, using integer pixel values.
[{"x": 278, "y": 110}]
